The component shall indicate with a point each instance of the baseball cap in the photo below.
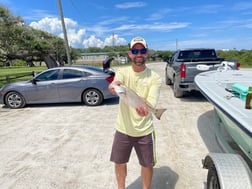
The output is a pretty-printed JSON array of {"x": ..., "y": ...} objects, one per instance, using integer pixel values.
[{"x": 138, "y": 40}]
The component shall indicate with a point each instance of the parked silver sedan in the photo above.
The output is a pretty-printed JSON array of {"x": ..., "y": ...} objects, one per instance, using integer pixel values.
[{"x": 85, "y": 84}]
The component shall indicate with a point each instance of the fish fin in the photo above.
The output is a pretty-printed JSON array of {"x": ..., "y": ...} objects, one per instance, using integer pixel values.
[{"x": 158, "y": 113}]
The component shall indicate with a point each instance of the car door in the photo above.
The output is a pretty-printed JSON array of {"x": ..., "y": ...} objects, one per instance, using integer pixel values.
[
  {"x": 43, "y": 88},
  {"x": 71, "y": 84}
]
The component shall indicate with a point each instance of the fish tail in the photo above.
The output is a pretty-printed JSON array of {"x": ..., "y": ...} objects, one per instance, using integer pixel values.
[{"x": 158, "y": 113}]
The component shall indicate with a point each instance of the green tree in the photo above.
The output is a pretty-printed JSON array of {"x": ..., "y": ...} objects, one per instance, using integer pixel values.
[
  {"x": 9, "y": 30},
  {"x": 19, "y": 41},
  {"x": 242, "y": 56}
]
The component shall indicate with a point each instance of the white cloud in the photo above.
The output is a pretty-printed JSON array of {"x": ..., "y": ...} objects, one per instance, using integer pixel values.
[
  {"x": 75, "y": 37},
  {"x": 209, "y": 9},
  {"x": 154, "y": 27},
  {"x": 128, "y": 5},
  {"x": 99, "y": 30},
  {"x": 70, "y": 23},
  {"x": 92, "y": 41},
  {"x": 242, "y": 6},
  {"x": 114, "y": 40},
  {"x": 92, "y": 36},
  {"x": 37, "y": 14},
  {"x": 51, "y": 25},
  {"x": 113, "y": 20},
  {"x": 54, "y": 26},
  {"x": 159, "y": 15},
  {"x": 96, "y": 35}
]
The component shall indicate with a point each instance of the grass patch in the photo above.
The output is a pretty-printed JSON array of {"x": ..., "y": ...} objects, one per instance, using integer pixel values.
[
  {"x": 14, "y": 74},
  {"x": 14, "y": 70}
]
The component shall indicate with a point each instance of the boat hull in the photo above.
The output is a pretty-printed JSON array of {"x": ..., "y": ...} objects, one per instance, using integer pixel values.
[
  {"x": 230, "y": 109},
  {"x": 241, "y": 138}
]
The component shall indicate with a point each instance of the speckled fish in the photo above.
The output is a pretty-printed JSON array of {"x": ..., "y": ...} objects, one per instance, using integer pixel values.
[{"x": 133, "y": 100}]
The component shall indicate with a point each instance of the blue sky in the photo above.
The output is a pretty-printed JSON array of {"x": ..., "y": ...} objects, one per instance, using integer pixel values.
[{"x": 165, "y": 24}]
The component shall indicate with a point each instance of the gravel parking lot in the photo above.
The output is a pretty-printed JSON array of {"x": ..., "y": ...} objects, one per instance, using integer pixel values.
[{"x": 67, "y": 146}]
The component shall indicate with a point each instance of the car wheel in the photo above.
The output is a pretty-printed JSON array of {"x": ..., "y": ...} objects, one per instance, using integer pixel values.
[
  {"x": 212, "y": 179},
  {"x": 14, "y": 100},
  {"x": 92, "y": 97},
  {"x": 177, "y": 93}
]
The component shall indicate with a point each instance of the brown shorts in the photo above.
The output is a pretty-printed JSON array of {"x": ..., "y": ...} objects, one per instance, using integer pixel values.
[{"x": 144, "y": 147}]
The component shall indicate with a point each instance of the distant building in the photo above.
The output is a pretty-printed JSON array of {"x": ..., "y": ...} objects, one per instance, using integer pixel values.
[
  {"x": 99, "y": 57},
  {"x": 93, "y": 57}
]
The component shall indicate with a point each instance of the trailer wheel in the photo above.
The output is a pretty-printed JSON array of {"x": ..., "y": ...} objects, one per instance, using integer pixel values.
[
  {"x": 168, "y": 81},
  {"x": 212, "y": 178}
]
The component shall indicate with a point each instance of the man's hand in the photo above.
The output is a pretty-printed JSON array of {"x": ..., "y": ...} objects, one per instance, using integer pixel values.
[{"x": 142, "y": 110}]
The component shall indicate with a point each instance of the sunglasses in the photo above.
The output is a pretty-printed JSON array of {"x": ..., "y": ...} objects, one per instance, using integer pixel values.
[{"x": 136, "y": 51}]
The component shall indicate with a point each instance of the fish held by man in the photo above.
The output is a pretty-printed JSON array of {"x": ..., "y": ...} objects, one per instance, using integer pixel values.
[{"x": 133, "y": 100}]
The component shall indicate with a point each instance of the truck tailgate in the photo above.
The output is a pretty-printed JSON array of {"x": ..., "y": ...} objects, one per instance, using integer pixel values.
[{"x": 192, "y": 71}]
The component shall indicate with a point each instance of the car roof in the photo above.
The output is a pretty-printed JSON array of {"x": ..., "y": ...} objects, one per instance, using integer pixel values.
[{"x": 85, "y": 67}]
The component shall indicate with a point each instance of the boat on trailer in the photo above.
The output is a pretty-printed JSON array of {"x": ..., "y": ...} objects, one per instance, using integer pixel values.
[{"x": 233, "y": 128}]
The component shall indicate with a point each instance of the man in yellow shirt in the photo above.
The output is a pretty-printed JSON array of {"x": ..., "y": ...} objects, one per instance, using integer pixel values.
[{"x": 134, "y": 126}]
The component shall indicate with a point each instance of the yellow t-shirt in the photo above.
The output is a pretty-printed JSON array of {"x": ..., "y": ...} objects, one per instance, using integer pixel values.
[{"x": 146, "y": 84}]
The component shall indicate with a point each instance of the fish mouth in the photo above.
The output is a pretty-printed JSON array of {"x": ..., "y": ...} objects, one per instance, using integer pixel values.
[{"x": 119, "y": 89}]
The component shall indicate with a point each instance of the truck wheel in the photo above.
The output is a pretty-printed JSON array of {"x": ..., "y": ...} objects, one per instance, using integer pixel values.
[
  {"x": 177, "y": 93},
  {"x": 167, "y": 80},
  {"x": 212, "y": 178}
]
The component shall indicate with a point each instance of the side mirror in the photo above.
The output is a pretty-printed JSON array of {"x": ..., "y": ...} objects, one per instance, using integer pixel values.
[
  {"x": 34, "y": 81},
  {"x": 168, "y": 60}
]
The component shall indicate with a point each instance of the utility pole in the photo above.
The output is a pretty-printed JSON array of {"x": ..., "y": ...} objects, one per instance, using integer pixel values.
[
  {"x": 65, "y": 34},
  {"x": 113, "y": 40}
]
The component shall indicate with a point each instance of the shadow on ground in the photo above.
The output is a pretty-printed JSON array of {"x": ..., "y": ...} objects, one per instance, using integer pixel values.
[
  {"x": 111, "y": 101},
  {"x": 163, "y": 178},
  {"x": 193, "y": 96},
  {"x": 206, "y": 130}
]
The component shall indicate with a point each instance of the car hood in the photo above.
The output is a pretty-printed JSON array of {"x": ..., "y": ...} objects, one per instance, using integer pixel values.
[{"x": 11, "y": 85}]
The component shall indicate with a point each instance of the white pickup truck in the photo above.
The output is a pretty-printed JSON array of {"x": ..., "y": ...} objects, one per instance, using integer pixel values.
[{"x": 184, "y": 65}]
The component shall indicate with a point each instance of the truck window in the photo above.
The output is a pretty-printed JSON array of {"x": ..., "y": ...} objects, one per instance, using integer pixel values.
[
  {"x": 197, "y": 54},
  {"x": 184, "y": 54},
  {"x": 208, "y": 54}
]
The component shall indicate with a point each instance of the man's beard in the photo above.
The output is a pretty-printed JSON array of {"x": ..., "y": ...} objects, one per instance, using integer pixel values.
[{"x": 139, "y": 63}]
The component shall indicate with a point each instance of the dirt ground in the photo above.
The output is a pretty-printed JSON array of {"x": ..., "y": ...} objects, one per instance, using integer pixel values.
[{"x": 68, "y": 146}]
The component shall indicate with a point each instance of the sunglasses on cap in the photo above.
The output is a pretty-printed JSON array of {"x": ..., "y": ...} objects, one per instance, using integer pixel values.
[{"x": 136, "y": 51}]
